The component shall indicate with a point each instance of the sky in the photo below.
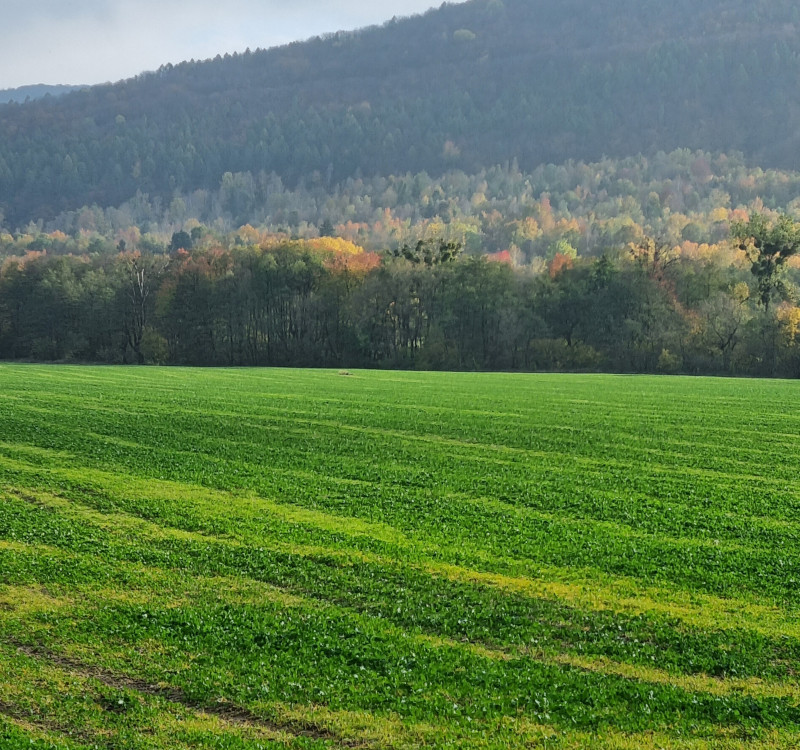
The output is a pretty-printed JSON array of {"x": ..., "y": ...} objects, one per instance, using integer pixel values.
[{"x": 95, "y": 41}]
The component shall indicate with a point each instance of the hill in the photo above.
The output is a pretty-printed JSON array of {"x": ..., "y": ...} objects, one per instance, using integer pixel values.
[
  {"x": 38, "y": 91},
  {"x": 464, "y": 86}
]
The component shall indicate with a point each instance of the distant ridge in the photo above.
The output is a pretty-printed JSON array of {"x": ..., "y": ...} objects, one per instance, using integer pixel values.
[
  {"x": 464, "y": 86},
  {"x": 37, "y": 91}
]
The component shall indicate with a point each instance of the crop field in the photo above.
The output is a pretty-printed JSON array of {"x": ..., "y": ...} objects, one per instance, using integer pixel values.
[{"x": 246, "y": 559}]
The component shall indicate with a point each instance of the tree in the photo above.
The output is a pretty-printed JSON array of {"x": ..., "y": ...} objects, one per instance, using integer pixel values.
[
  {"x": 768, "y": 246},
  {"x": 431, "y": 252},
  {"x": 723, "y": 317},
  {"x": 142, "y": 275},
  {"x": 181, "y": 241},
  {"x": 652, "y": 256},
  {"x": 326, "y": 229}
]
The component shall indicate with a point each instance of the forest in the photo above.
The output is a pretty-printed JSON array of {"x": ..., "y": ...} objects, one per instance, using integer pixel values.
[
  {"x": 686, "y": 262},
  {"x": 462, "y": 87},
  {"x": 325, "y": 303}
]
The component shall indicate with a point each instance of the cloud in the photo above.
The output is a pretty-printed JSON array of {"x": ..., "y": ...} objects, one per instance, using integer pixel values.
[{"x": 92, "y": 41}]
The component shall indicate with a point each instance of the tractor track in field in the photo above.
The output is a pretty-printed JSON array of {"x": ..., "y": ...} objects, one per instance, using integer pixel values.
[
  {"x": 25, "y": 718},
  {"x": 230, "y": 713}
]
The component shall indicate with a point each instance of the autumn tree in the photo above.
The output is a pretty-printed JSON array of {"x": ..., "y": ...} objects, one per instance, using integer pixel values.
[{"x": 653, "y": 256}]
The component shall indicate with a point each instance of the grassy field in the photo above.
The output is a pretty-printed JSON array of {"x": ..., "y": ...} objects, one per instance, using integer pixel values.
[{"x": 261, "y": 559}]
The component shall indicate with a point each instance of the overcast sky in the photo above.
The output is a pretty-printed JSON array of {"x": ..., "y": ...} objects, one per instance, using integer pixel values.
[{"x": 94, "y": 41}]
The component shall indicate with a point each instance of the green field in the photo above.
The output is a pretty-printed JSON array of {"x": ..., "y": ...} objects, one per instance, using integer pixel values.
[{"x": 282, "y": 558}]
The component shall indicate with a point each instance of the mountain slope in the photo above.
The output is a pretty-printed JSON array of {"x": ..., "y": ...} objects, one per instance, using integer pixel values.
[{"x": 464, "y": 86}]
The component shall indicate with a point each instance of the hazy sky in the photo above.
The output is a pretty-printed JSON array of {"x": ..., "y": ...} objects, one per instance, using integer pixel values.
[{"x": 93, "y": 41}]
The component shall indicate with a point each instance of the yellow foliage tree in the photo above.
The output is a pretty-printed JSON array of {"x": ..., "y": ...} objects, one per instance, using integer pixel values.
[
  {"x": 249, "y": 235},
  {"x": 789, "y": 317},
  {"x": 719, "y": 214},
  {"x": 336, "y": 245}
]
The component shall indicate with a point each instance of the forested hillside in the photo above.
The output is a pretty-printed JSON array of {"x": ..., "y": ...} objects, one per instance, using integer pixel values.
[
  {"x": 464, "y": 87},
  {"x": 594, "y": 208}
]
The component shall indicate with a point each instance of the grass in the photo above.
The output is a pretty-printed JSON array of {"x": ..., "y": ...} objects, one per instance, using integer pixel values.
[{"x": 295, "y": 559}]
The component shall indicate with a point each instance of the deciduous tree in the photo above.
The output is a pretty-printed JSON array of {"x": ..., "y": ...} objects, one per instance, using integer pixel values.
[{"x": 768, "y": 246}]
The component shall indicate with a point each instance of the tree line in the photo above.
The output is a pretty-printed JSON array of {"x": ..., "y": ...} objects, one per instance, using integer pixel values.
[{"x": 326, "y": 302}]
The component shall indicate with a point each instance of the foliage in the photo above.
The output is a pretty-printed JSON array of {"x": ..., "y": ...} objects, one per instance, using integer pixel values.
[
  {"x": 768, "y": 248},
  {"x": 327, "y": 302},
  {"x": 580, "y": 208},
  {"x": 430, "y": 252}
]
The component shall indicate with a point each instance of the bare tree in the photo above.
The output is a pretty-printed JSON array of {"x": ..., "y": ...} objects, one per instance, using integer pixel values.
[
  {"x": 142, "y": 276},
  {"x": 723, "y": 317}
]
